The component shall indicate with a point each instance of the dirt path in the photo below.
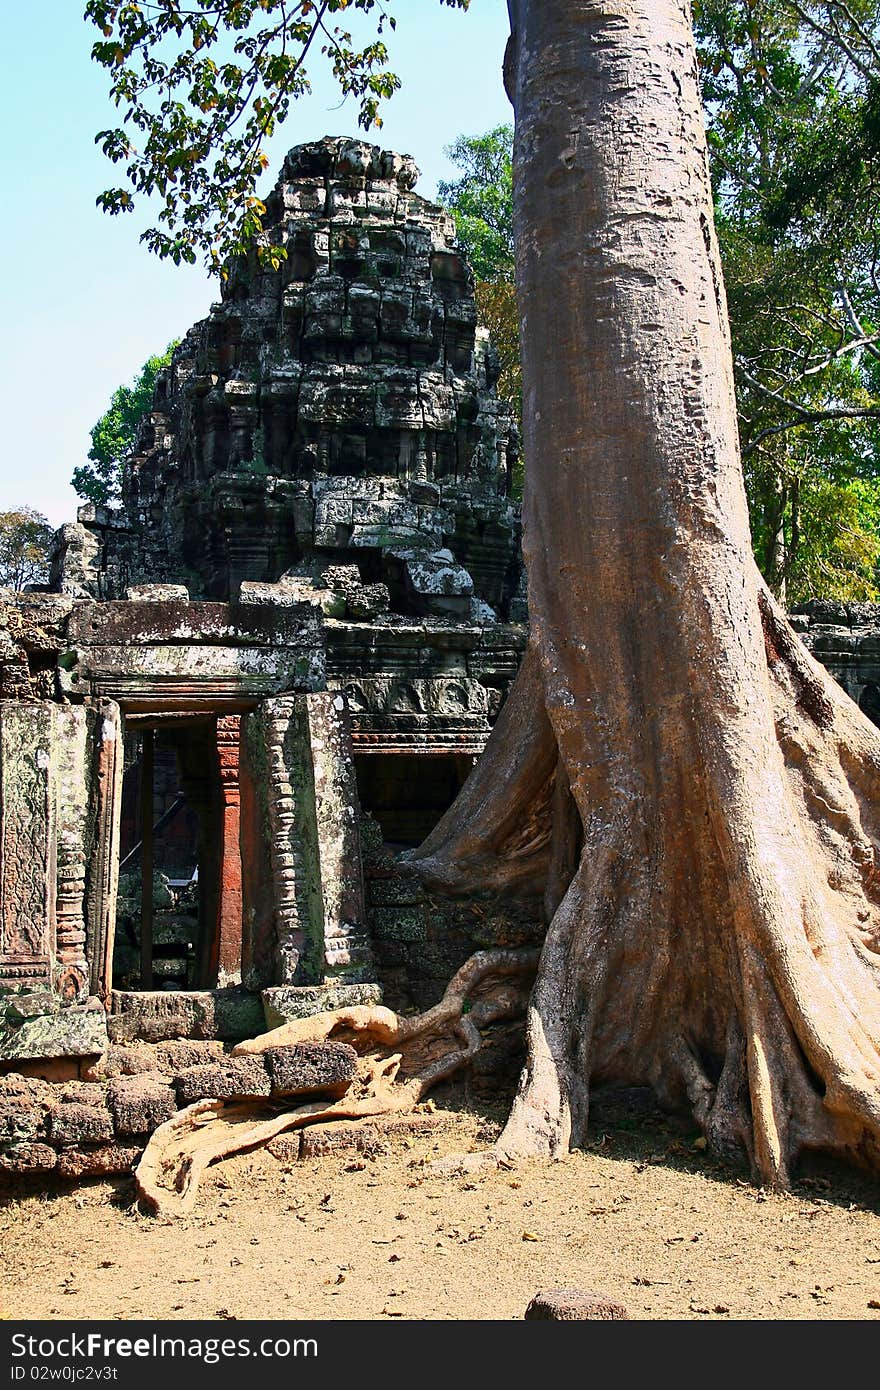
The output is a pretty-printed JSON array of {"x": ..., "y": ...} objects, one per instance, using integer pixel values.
[{"x": 643, "y": 1216}]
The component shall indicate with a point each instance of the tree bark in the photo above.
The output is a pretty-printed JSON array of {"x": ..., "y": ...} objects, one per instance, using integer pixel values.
[{"x": 694, "y": 795}]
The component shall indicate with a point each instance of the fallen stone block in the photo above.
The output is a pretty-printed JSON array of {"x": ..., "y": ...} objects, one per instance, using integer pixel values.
[
  {"x": 121, "y": 1060},
  {"x": 285, "y": 1147},
  {"x": 72, "y": 1123},
  {"x": 284, "y": 1003},
  {"x": 139, "y": 1104},
  {"x": 327, "y": 1067},
  {"x": 363, "y": 1136},
  {"x": 238, "y": 1078},
  {"x": 573, "y": 1305},
  {"x": 100, "y": 1161},
  {"x": 77, "y": 1031}
]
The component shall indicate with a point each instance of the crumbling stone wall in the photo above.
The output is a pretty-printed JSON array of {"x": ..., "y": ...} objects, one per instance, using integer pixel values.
[{"x": 99, "y": 1123}]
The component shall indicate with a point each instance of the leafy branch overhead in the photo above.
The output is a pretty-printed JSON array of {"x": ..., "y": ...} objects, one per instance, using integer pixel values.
[{"x": 202, "y": 85}]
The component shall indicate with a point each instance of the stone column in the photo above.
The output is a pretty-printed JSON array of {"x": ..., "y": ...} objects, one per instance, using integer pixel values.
[
  {"x": 347, "y": 951},
  {"x": 226, "y": 954},
  {"x": 103, "y": 877}
]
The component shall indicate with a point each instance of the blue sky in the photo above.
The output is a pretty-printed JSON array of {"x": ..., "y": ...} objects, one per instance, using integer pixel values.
[{"x": 85, "y": 302}]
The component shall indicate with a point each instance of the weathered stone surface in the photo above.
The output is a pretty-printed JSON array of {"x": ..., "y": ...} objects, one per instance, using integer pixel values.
[
  {"x": 400, "y": 924},
  {"x": 286, "y": 1147},
  {"x": 83, "y": 1092},
  {"x": 284, "y": 1003},
  {"x": 74, "y": 1123},
  {"x": 78, "y": 1031},
  {"x": 139, "y": 1104},
  {"x": 158, "y": 1016},
  {"x": 122, "y": 1059},
  {"x": 186, "y": 1052},
  {"x": 20, "y": 1121},
  {"x": 573, "y": 1305},
  {"x": 236, "y": 1078},
  {"x": 28, "y": 1158},
  {"x": 329, "y": 1067},
  {"x": 156, "y": 593},
  {"x": 364, "y": 1136},
  {"x": 27, "y": 1089},
  {"x": 101, "y": 1160}
]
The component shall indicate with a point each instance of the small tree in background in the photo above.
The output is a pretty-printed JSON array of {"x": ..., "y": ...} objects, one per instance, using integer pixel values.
[
  {"x": 481, "y": 203},
  {"x": 25, "y": 537},
  {"x": 115, "y": 434}
]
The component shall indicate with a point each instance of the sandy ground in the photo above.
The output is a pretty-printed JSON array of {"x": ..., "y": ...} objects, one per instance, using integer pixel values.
[{"x": 643, "y": 1216}]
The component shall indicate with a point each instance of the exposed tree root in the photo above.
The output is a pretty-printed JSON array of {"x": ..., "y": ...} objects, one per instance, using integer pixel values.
[
  {"x": 734, "y": 967},
  {"x": 400, "y": 1060}
]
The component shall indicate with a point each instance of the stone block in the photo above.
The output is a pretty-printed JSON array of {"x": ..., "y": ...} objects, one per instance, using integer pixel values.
[
  {"x": 139, "y": 1104},
  {"x": 283, "y": 1003},
  {"x": 235, "y": 1078},
  {"x": 187, "y": 1052},
  {"x": 73, "y": 1123},
  {"x": 26, "y": 1089},
  {"x": 364, "y": 1136},
  {"x": 33, "y": 1005},
  {"x": 20, "y": 1121},
  {"x": 573, "y": 1305},
  {"x": 286, "y": 1147},
  {"x": 157, "y": 593},
  {"x": 159, "y": 1016},
  {"x": 394, "y": 891},
  {"x": 398, "y": 924},
  {"x": 28, "y": 1158},
  {"x": 78, "y": 1031},
  {"x": 84, "y": 1092},
  {"x": 121, "y": 1059},
  {"x": 102, "y": 1160},
  {"x": 329, "y": 1067}
]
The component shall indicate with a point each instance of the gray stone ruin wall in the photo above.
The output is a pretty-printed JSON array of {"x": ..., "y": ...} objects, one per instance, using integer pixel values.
[{"x": 845, "y": 637}]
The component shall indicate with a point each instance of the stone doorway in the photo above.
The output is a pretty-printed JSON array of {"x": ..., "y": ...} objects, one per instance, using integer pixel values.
[
  {"x": 179, "y": 905},
  {"x": 407, "y": 793}
]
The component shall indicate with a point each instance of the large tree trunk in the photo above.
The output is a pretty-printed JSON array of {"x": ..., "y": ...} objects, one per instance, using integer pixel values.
[{"x": 694, "y": 794}]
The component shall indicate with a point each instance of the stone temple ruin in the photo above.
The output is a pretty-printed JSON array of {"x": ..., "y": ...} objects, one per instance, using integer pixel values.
[
  {"x": 263, "y": 675},
  {"x": 299, "y": 624}
]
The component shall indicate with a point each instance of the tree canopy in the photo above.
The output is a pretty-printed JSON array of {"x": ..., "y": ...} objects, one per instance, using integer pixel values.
[
  {"x": 202, "y": 85},
  {"x": 481, "y": 203},
  {"x": 115, "y": 434},
  {"x": 791, "y": 91},
  {"x": 25, "y": 537}
]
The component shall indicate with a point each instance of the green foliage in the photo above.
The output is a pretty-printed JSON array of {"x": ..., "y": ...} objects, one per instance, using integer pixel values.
[
  {"x": 115, "y": 434},
  {"x": 481, "y": 201},
  {"x": 25, "y": 536},
  {"x": 202, "y": 84},
  {"x": 792, "y": 95}
]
